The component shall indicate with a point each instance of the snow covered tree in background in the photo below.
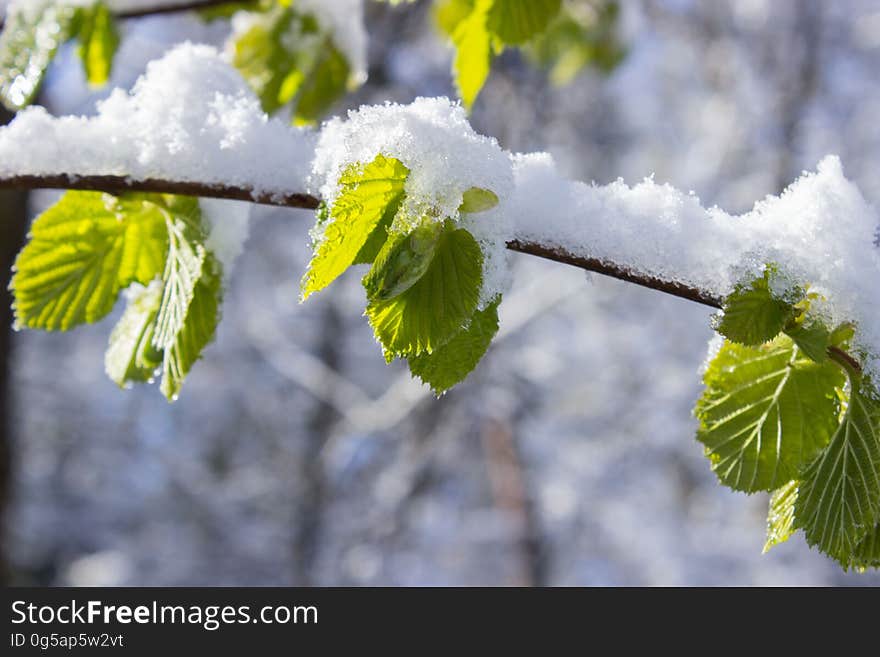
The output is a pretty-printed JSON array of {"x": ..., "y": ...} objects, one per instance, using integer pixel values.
[{"x": 431, "y": 208}]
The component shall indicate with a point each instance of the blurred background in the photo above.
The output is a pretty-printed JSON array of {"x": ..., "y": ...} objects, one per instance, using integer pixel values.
[{"x": 295, "y": 456}]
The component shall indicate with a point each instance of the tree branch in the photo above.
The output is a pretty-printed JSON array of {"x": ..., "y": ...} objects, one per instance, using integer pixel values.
[
  {"x": 169, "y": 8},
  {"x": 173, "y": 7},
  {"x": 121, "y": 184}
]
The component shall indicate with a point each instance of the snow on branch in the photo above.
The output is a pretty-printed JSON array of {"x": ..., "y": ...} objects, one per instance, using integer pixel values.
[{"x": 191, "y": 126}]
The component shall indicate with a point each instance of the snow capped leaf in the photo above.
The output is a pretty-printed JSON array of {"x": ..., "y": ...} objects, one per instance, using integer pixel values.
[
  {"x": 839, "y": 498},
  {"x": 82, "y": 251},
  {"x": 766, "y": 412},
  {"x": 517, "y": 21},
  {"x": 780, "y": 516},
  {"x": 196, "y": 331},
  {"x": 131, "y": 356},
  {"x": 451, "y": 363},
  {"x": 476, "y": 199},
  {"x": 753, "y": 315},
  {"x": 30, "y": 38},
  {"x": 366, "y": 192},
  {"x": 473, "y": 53},
  {"x": 98, "y": 40},
  {"x": 433, "y": 310}
]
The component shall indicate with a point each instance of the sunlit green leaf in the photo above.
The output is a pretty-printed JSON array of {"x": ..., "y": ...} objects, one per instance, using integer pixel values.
[
  {"x": 196, "y": 331},
  {"x": 365, "y": 194},
  {"x": 477, "y": 199},
  {"x": 766, "y": 412},
  {"x": 131, "y": 356},
  {"x": 402, "y": 261},
  {"x": 780, "y": 516},
  {"x": 839, "y": 498},
  {"x": 98, "y": 40},
  {"x": 433, "y": 310},
  {"x": 183, "y": 267},
  {"x": 753, "y": 314},
  {"x": 449, "y": 13},
  {"x": 517, "y": 21},
  {"x": 473, "y": 53},
  {"x": 82, "y": 251},
  {"x": 451, "y": 363}
]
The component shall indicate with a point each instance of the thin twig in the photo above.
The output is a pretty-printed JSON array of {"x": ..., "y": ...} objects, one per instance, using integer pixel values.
[
  {"x": 173, "y": 7},
  {"x": 117, "y": 184},
  {"x": 121, "y": 184},
  {"x": 167, "y": 8},
  {"x": 614, "y": 270}
]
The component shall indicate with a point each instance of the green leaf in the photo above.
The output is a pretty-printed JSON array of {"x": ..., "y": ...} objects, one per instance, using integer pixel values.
[
  {"x": 839, "y": 499},
  {"x": 517, "y": 21},
  {"x": 427, "y": 315},
  {"x": 31, "y": 36},
  {"x": 184, "y": 267},
  {"x": 268, "y": 55},
  {"x": 477, "y": 199},
  {"x": 379, "y": 236},
  {"x": 402, "y": 261},
  {"x": 842, "y": 336},
  {"x": 753, "y": 315},
  {"x": 473, "y": 53},
  {"x": 196, "y": 331},
  {"x": 812, "y": 337},
  {"x": 82, "y": 251},
  {"x": 449, "y": 13},
  {"x": 131, "y": 356},
  {"x": 98, "y": 40},
  {"x": 285, "y": 56},
  {"x": 766, "y": 412},
  {"x": 451, "y": 363},
  {"x": 780, "y": 516},
  {"x": 867, "y": 552},
  {"x": 326, "y": 82},
  {"x": 366, "y": 192},
  {"x": 576, "y": 39}
]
